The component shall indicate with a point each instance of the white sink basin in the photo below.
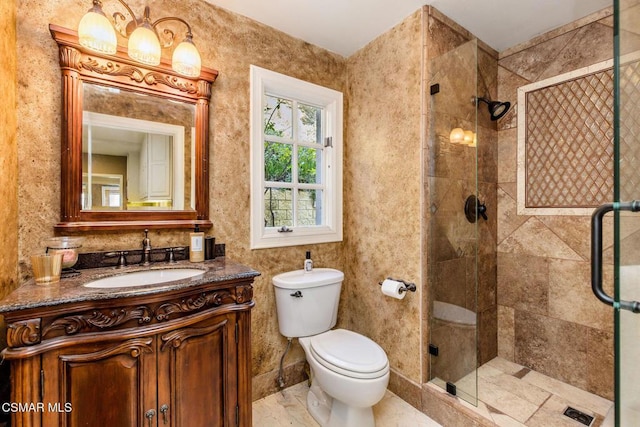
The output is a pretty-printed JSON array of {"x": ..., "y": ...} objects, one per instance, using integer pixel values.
[{"x": 146, "y": 277}]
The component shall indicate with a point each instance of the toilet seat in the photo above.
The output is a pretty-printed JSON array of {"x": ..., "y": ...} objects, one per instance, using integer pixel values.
[{"x": 349, "y": 354}]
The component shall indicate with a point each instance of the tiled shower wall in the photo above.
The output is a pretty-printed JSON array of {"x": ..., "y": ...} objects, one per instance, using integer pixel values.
[{"x": 548, "y": 318}]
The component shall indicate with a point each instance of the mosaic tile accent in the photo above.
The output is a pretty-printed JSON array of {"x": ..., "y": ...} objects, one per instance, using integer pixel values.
[
  {"x": 569, "y": 142},
  {"x": 630, "y": 112}
]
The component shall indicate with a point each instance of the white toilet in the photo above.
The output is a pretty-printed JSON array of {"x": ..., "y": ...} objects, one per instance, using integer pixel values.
[{"x": 349, "y": 372}]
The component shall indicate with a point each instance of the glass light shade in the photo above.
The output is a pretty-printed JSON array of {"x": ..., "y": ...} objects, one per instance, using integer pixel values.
[
  {"x": 144, "y": 45},
  {"x": 456, "y": 136},
  {"x": 186, "y": 59},
  {"x": 474, "y": 142},
  {"x": 468, "y": 137},
  {"x": 96, "y": 32}
]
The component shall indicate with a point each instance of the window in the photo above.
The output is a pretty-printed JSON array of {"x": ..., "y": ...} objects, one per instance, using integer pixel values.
[{"x": 296, "y": 161}]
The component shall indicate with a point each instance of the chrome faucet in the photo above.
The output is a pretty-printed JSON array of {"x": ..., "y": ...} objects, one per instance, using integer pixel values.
[{"x": 146, "y": 249}]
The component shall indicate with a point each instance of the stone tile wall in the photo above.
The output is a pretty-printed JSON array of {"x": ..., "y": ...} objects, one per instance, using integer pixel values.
[{"x": 548, "y": 319}]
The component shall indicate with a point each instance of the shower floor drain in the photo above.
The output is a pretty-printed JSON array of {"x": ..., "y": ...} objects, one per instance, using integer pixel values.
[{"x": 579, "y": 416}]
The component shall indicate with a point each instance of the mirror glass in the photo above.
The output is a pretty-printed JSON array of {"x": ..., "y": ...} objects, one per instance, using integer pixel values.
[{"x": 137, "y": 151}]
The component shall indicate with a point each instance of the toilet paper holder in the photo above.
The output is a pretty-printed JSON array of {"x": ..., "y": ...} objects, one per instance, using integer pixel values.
[{"x": 408, "y": 286}]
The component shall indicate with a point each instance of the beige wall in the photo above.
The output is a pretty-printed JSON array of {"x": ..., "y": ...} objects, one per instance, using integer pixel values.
[
  {"x": 383, "y": 182},
  {"x": 548, "y": 318},
  {"x": 9, "y": 171},
  {"x": 8, "y": 150},
  {"x": 228, "y": 43}
]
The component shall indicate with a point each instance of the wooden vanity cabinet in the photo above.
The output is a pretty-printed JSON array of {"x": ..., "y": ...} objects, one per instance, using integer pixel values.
[{"x": 177, "y": 359}]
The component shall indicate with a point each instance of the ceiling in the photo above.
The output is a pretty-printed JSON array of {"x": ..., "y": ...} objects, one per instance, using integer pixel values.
[{"x": 344, "y": 26}]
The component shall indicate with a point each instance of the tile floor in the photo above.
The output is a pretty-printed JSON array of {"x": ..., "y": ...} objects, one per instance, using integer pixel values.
[
  {"x": 289, "y": 408},
  {"x": 513, "y": 396},
  {"x": 510, "y": 396}
]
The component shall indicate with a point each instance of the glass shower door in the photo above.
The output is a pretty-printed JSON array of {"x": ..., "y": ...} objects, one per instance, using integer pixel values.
[
  {"x": 627, "y": 233},
  {"x": 453, "y": 240},
  {"x": 626, "y": 211}
]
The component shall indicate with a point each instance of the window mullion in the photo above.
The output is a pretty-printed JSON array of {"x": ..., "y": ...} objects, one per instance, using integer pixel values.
[
  {"x": 278, "y": 184},
  {"x": 275, "y": 138},
  {"x": 294, "y": 166}
]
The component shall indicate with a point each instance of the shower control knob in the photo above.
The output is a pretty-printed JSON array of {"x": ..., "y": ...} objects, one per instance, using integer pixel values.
[
  {"x": 482, "y": 210},
  {"x": 474, "y": 208}
]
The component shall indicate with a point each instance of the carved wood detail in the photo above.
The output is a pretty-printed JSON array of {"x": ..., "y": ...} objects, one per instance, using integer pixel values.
[
  {"x": 134, "y": 347},
  {"x": 69, "y": 57},
  {"x": 204, "y": 89},
  {"x": 99, "y": 319},
  {"x": 28, "y": 333},
  {"x": 194, "y": 303},
  {"x": 111, "y": 68},
  {"x": 23, "y": 333},
  {"x": 244, "y": 294},
  {"x": 175, "y": 339}
]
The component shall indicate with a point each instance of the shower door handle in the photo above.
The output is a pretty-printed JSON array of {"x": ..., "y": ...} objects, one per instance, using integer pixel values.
[{"x": 596, "y": 253}]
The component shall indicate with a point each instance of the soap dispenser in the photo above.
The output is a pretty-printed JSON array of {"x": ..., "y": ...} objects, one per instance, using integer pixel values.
[
  {"x": 196, "y": 245},
  {"x": 308, "y": 263}
]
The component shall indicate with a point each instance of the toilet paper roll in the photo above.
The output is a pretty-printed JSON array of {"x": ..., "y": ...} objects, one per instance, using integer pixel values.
[{"x": 391, "y": 288}]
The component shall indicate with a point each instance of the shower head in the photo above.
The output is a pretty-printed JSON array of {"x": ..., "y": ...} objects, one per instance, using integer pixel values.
[{"x": 497, "y": 109}]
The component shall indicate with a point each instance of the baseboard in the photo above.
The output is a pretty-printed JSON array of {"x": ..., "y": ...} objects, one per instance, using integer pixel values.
[
  {"x": 266, "y": 384},
  {"x": 405, "y": 389}
]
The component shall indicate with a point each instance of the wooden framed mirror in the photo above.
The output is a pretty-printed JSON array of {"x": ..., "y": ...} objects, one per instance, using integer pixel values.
[{"x": 135, "y": 142}]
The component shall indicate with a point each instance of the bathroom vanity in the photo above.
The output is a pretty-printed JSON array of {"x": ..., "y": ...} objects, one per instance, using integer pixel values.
[{"x": 169, "y": 354}]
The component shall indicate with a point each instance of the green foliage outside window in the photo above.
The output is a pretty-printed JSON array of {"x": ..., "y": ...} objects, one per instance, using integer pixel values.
[{"x": 278, "y": 157}]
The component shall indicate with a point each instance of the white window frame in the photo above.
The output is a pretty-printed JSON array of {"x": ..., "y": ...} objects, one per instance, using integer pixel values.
[{"x": 265, "y": 81}]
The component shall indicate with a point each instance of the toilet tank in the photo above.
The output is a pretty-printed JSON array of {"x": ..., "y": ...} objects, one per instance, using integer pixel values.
[{"x": 307, "y": 301}]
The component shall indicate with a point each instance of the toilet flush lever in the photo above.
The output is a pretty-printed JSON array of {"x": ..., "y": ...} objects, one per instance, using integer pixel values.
[{"x": 297, "y": 294}]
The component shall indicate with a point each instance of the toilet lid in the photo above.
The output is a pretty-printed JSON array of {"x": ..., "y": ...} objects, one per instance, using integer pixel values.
[{"x": 350, "y": 354}]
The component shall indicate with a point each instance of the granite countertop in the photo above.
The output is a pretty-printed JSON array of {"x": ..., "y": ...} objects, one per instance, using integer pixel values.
[{"x": 71, "y": 290}]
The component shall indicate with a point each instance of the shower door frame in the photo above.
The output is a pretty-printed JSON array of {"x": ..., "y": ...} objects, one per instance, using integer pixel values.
[{"x": 626, "y": 215}]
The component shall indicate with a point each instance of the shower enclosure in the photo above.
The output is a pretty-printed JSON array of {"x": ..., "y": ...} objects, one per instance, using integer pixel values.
[
  {"x": 626, "y": 215},
  {"x": 461, "y": 185}
]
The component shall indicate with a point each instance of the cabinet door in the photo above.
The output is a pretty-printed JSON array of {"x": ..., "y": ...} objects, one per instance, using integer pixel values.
[
  {"x": 197, "y": 374},
  {"x": 103, "y": 384},
  {"x": 159, "y": 164}
]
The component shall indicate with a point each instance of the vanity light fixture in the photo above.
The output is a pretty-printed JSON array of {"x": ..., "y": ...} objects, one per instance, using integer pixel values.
[{"x": 98, "y": 33}]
